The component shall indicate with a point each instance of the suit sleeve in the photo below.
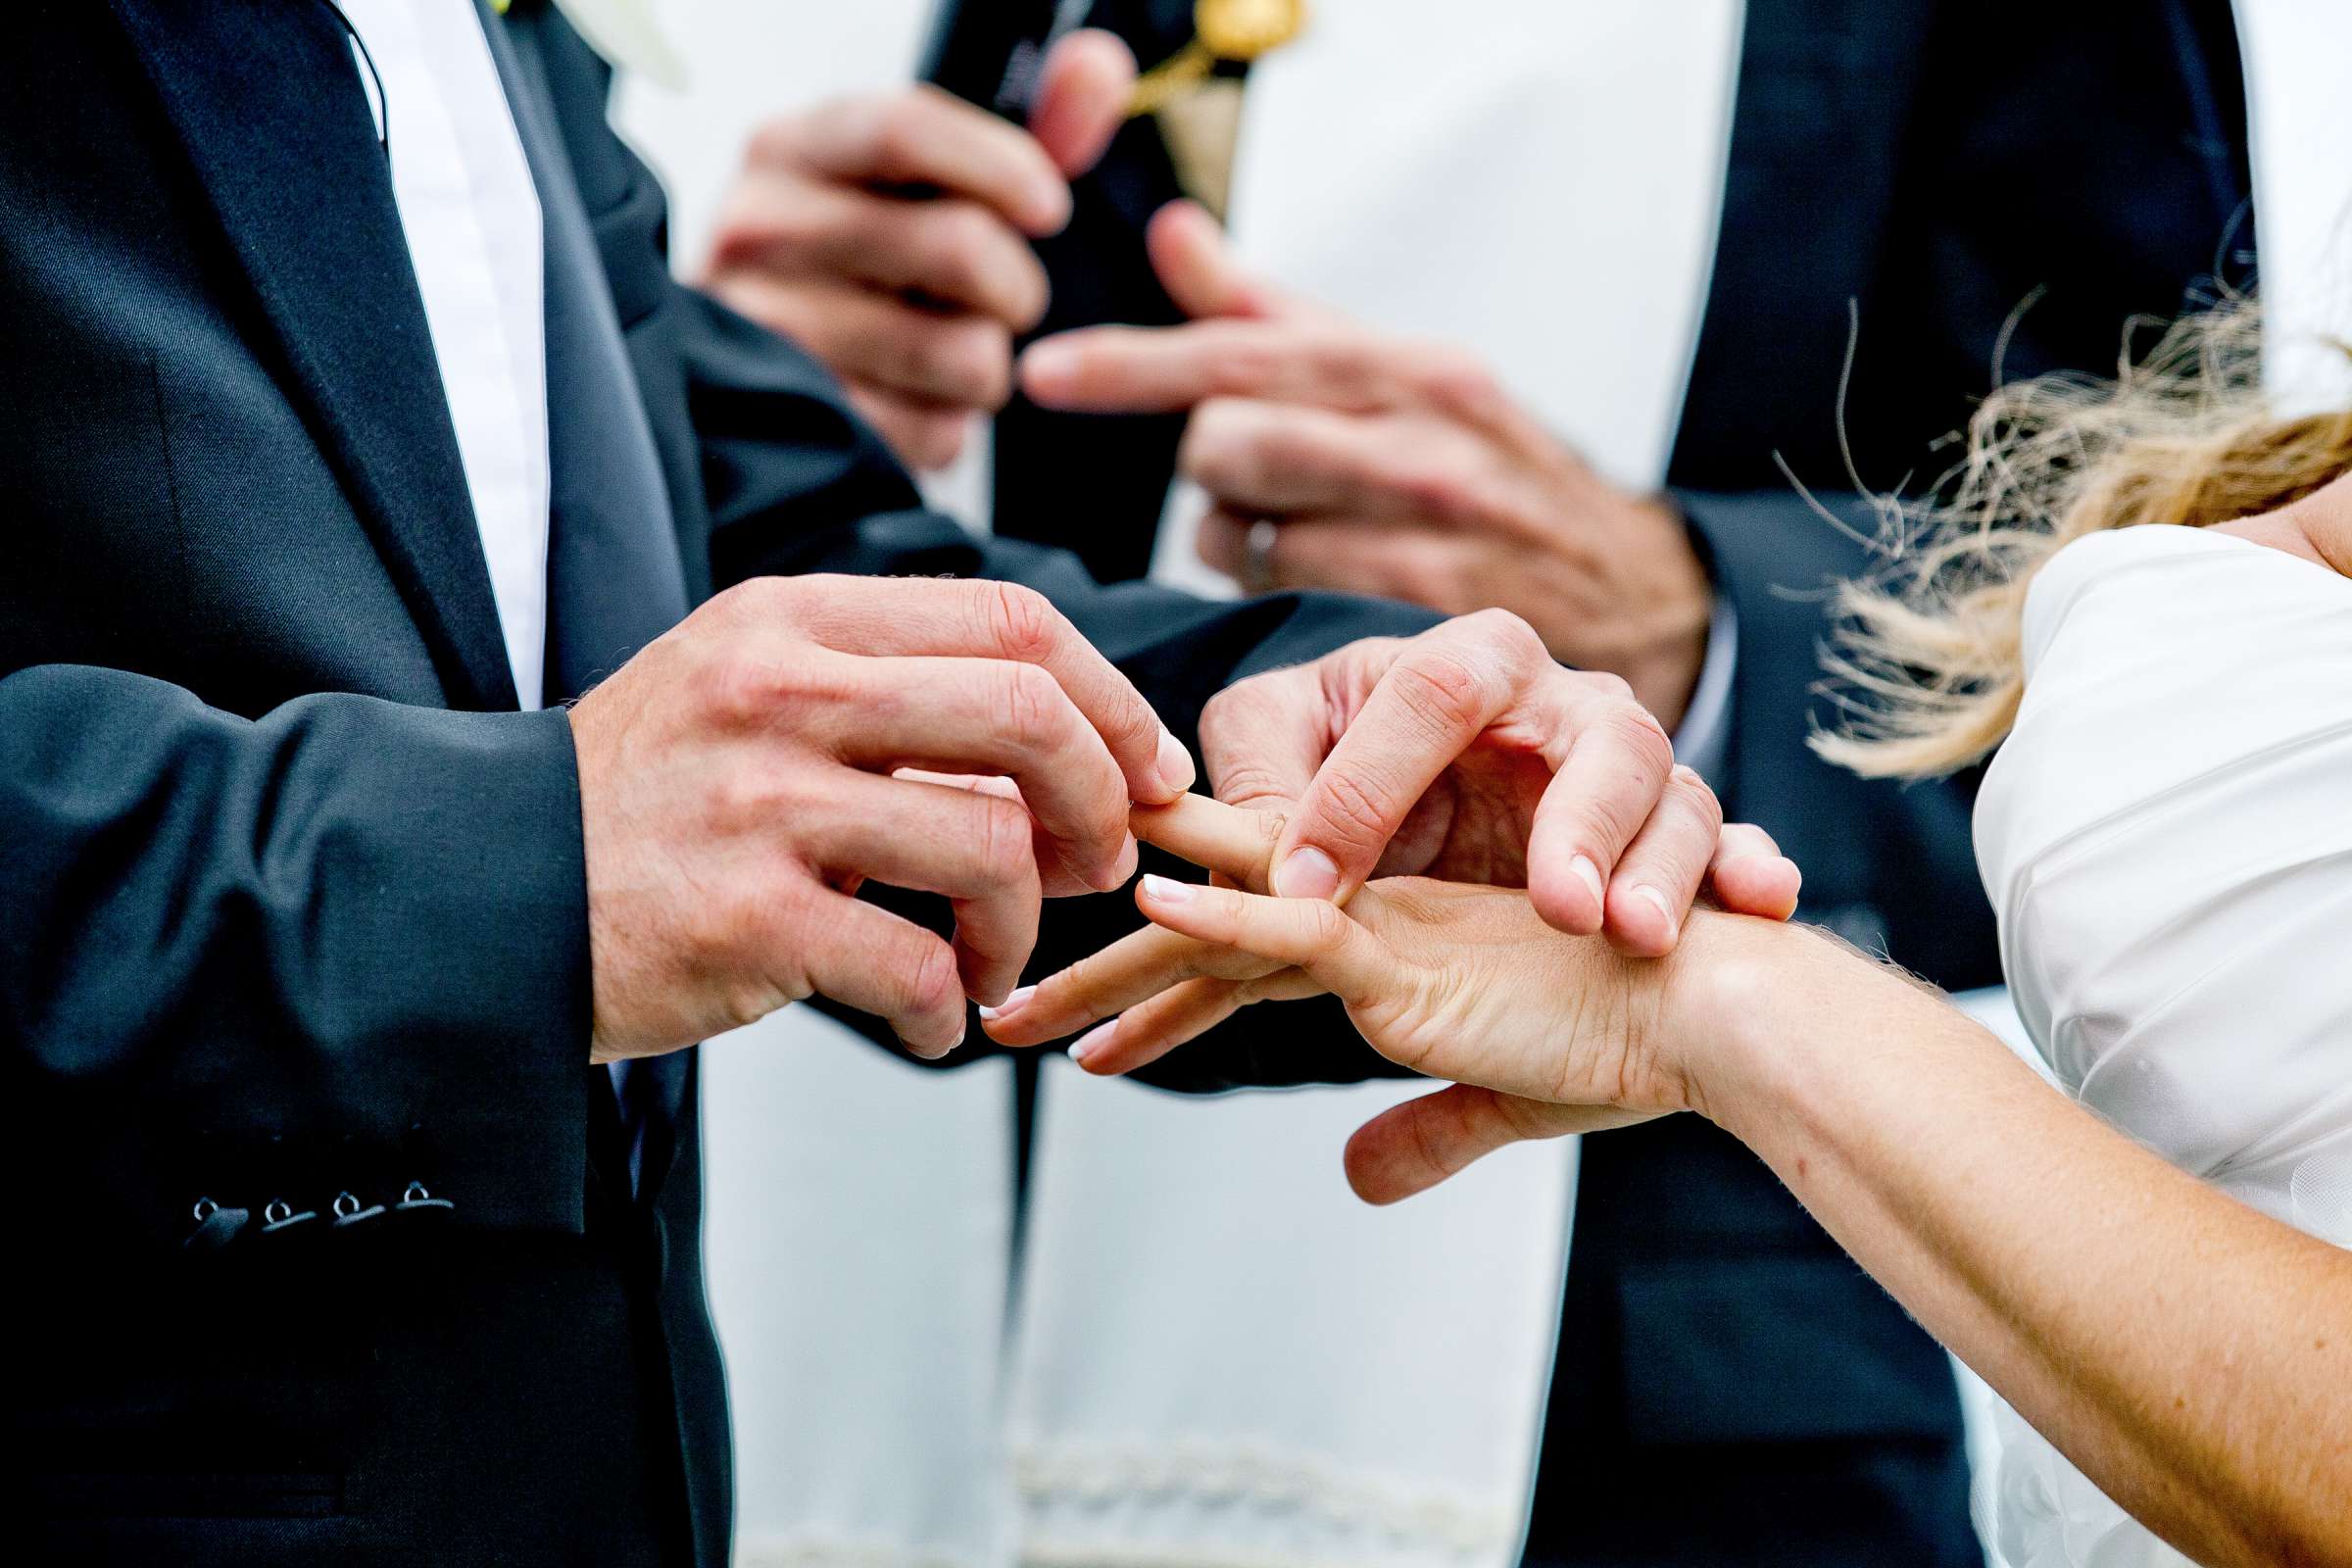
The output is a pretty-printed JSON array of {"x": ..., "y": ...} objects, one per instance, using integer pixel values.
[
  {"x": 339, "y": 950},
  {"x": 1890, "y": 866},
  {"x": 795, "y": 483}
]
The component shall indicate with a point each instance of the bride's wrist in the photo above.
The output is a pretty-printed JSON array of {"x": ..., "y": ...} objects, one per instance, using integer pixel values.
[{"x": 1736, "y": 1005}]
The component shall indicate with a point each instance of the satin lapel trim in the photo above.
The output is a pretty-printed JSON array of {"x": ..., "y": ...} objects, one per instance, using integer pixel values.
[{"x": 267, "y": 102}]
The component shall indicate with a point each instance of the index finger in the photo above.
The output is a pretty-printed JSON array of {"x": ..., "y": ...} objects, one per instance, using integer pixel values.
[
  {"x": 947, "y": 617},
  {"x": 1166, "y": 369},
  {"x": 1441, "y": 693},
  {"x": 926, "y": 137}
]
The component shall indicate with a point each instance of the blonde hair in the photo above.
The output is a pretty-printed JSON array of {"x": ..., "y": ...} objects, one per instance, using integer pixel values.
[{"x": 1926, "y": 665}]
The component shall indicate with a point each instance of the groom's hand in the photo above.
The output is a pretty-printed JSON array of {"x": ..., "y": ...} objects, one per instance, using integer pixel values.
[{"x": 737, "y": 786}]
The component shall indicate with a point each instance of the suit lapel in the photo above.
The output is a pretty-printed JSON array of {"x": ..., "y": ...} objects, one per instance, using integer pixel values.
[{"x": 266, "y": 99}]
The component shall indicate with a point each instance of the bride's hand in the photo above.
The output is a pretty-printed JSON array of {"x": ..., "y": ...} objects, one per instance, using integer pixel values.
[
  {"x": 1159, "y": 989},
  {"x": 1545, "y": 1034}
]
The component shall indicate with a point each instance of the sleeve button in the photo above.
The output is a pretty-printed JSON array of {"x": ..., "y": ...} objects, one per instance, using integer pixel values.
[
  {"x": 280, "y": 1216},
  {"x": 349, "y": 1211}
]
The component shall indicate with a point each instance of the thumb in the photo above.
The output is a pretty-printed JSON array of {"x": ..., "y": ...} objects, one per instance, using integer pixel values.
[
  {"x": 1082, "y": 95},
  {"x": 1197, "y": 266},
  {"x": 1411, "y": 1148}
]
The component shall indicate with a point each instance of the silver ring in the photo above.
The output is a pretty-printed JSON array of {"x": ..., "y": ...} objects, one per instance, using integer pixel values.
[
  {"x": 1257, "y": 556},
  {"x": 346, "y": 1205}
]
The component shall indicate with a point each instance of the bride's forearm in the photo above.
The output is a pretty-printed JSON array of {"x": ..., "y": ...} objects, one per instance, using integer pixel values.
[{"x": 2189, "y": 1355}]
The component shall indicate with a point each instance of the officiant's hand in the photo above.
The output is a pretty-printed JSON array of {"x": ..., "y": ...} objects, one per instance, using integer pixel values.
[
  {"x": 1388, "y": 466},
  {"x": 889, "y": 235},
  {"x": 744, "y": 774}
]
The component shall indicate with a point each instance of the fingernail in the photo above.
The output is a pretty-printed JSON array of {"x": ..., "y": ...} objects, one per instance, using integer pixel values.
[
  {"x": 1657, "y": 901},
  {"x": 1168, "y": 889},
  {"x": 1589, "y": 875},
  {"x": 1012, "y": 1000},
  {"x": 1308, "y": 874},
  {"x": 1175, "y": 764},
  {"x": 1093, "y": 1041}
]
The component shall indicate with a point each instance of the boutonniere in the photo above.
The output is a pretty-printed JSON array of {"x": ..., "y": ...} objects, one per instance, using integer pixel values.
[{"x": 626, "y": 34}]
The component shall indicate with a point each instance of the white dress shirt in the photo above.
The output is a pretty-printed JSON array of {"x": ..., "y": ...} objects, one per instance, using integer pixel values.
[{"x": 471, "y": 217}]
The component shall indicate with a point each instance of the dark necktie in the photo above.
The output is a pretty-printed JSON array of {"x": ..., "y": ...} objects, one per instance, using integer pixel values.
[{"x": 614, "y": 576}]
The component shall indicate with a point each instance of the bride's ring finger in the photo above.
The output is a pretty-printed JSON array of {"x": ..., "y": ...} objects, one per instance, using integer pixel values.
[{"x": 1131, "y": 970}]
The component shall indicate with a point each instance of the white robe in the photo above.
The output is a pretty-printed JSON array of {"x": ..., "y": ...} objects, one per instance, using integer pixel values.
[{"x": 1182, "y": 1254}]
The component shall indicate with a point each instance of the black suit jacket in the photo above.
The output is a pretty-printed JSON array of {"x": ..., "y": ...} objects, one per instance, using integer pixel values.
[
  {"x": 1968, "y": 182},
  {"x": 292, "y": 913}
]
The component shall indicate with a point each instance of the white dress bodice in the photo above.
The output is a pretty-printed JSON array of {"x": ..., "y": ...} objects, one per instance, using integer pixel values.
[{"x": 2166, "y": 838}]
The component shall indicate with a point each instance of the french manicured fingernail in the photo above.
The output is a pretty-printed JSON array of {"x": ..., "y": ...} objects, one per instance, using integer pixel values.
[
  {"x": 1657, "y": 901},
  {"x": 1012, "y": 1000},
  {"x": 1308, "y": 874},
  {"x": 1589, "y": 875},
  {"x": 1175, "y": 764},
  {"x": 1124, "y": 866},
  {"x": 1093, "y": 1041},
  {"x": 1168, "y": 889}
]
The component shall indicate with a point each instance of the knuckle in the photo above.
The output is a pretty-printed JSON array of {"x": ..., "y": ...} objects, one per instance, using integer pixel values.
[
  {"x": 738, "y": 687},
  {"x": 743, "y": 932},
  {"x": 1613, "y": 689},
  {"x": 766, "y": 601},
  {"x": 777, "y": 140},
  {"x": 1326, "y": 924},
  {"x": 1006, "y": 852},
  {"x": 961, "y": 237},
  {"x": 1349, "y": 812},
  {"x": 1253, "y": 360},
  {"x": 1452, "y": 693},
  {"x": 1436, "y": 480},
  {"x": 1232, "y": 703},
  {"x": 1634, "y": 729},
  {"x": 899, "y": 130},
  {"x": 1519, "y": 643},
  {"x": 1206, "y": 455},
  {"x": 1245, "y": 783},
  {"x": 1030, "y": 705},
  {"x": 746, "y": 798},
  {"x": 1454, "y": 378},
  {"x": 974, "y": 361},
  {"x": 930, "y": 981},
  {"x": 1701, "y": 797},
  {"x": 1019, "y": 623}
]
